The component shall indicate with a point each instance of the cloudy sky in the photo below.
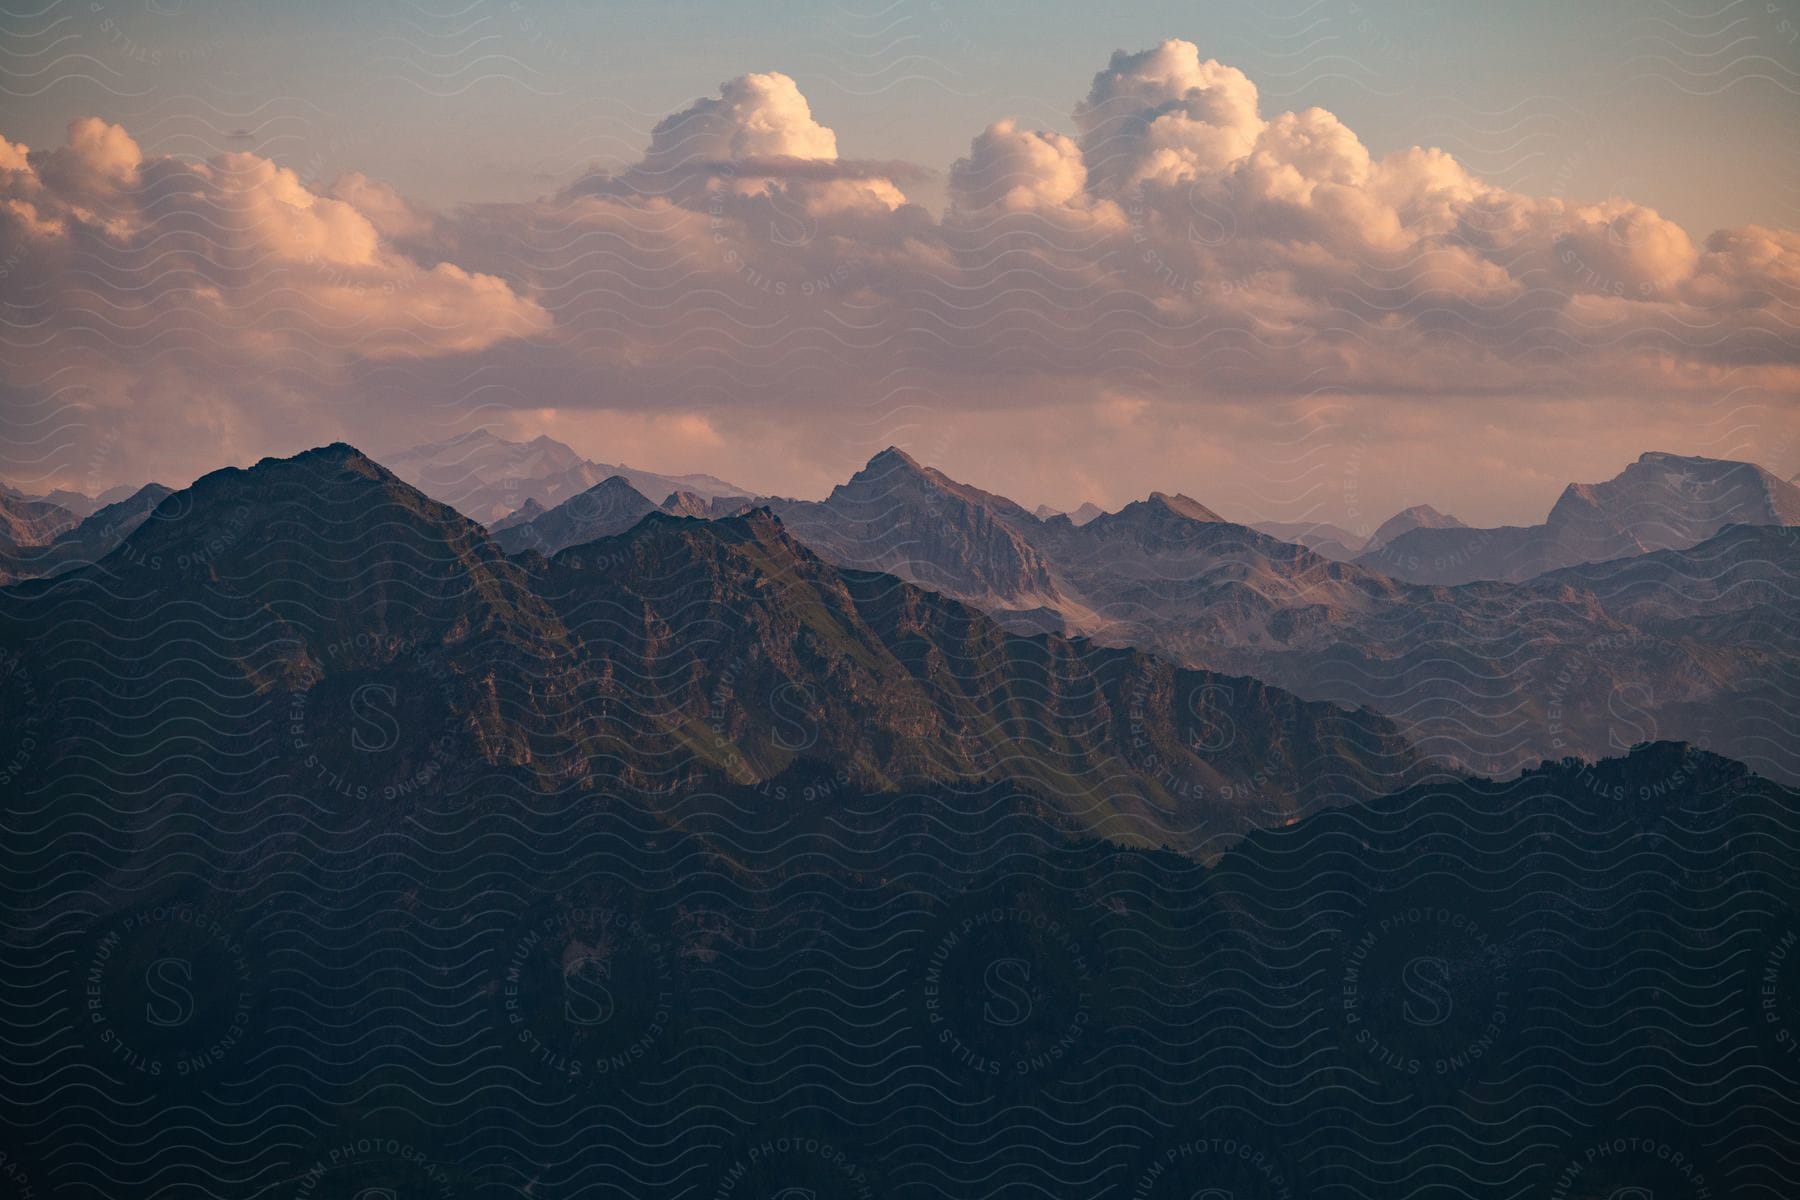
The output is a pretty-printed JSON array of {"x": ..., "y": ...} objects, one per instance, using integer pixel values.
[{"x": 1321, "y": 261}]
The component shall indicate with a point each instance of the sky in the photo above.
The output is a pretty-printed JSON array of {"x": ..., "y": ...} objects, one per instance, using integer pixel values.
[{"x": 1313, "y": 261}]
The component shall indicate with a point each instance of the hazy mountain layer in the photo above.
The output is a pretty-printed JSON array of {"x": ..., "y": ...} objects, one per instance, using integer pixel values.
[
  {"x": 1660, "y": 502},
  {"x": 610, "y": 506},
  {"x": 1495, "y": 676},
  {"x": 87, "y": 541},
  {"x": 486, "y": 477},
  {"x": 1322, "y": 538}
]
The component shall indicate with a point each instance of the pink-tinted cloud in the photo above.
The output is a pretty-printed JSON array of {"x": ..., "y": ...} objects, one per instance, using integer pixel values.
[{"x": 1178, "y": 246}]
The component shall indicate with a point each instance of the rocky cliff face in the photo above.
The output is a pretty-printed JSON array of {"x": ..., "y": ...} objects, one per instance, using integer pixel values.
[
  {"x": 912, "y": 521},
  {"x": 687, "y": 504}
]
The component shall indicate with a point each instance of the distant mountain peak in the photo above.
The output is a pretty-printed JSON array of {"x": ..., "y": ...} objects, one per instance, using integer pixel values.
[
  {"x": 687, "y": 504},
  {"x": 529, "y": 511},
  {"x": 336, "y": 453},
  {"x": 489, "y": 477},
  {"x": 609, "y": 507},
  {"x": 1425, "y": 514},
  {"x": 1676, "y": 499},
  {"x": 893, "y": 467},
  {"x": 900, "y": 517},
  {"x": 893, "y": 456},
  {"x": 1185, "y": 506},
  {"x": 1669, "y": 458},
  {"x": 1419, "y": 516},
  {"x": 1159, "y": 506},
  {"x": 613, "y": 483},
  {"x": 1661, "y": 501}
]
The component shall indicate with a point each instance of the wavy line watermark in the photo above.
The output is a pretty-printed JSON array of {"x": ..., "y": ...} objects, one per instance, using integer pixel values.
[
  {"x": 1425, "y": 990},
  {"x": 587, "y": 994},
  {"x": 168, "y": 992},
  {"x": 1009, "y": 991}
]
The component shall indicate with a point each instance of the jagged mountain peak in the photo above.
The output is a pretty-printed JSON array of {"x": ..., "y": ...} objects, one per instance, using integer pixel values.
[
  {"x": 340, "y": 489},
  {"x": 1158, "y": 507},
  {"x": 895, "y": 468},
  {"x": 617, "y": 484},
  {"x": 755, "y": 526},
  {"x": 914, "y": 521},
  {"x": 528, "y": 511},
  {"x": 687, "y": 504},
  {"x": 891, "y": 458},
  {"x": 1184, "y": 506},
  {"x": 1426, "y": 515},
  {"x": 611, "y": 506},
  {"x": 313, "y": 562}
]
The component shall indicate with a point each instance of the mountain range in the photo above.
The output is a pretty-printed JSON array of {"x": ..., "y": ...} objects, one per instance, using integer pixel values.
[
  {"x": 611, "y": 506},
  {"x": 421, "y": 840},
  {"x": 680, "y": 861},
  {"x": 1340, "y": 545},
  {"x": 486, "y": 477},
  {"x": 678, "y": 651},
  {"x": 1492, "y": 675},
  {"x": 1660, "y": 502},
  {"x": 1489, "y": 676},
  {"x": 40, "y": 537},
  {"x": 1321, "y": 537}
]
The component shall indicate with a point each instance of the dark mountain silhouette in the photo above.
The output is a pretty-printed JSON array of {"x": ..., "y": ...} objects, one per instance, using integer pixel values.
[
  {"x": 1660, "y": 502},
  {"x": 681, "y": 863},
  {"x": 898, "y": 684},
  {"x": 806, "y": 983},
  {"x": 678, "y": 651}
]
